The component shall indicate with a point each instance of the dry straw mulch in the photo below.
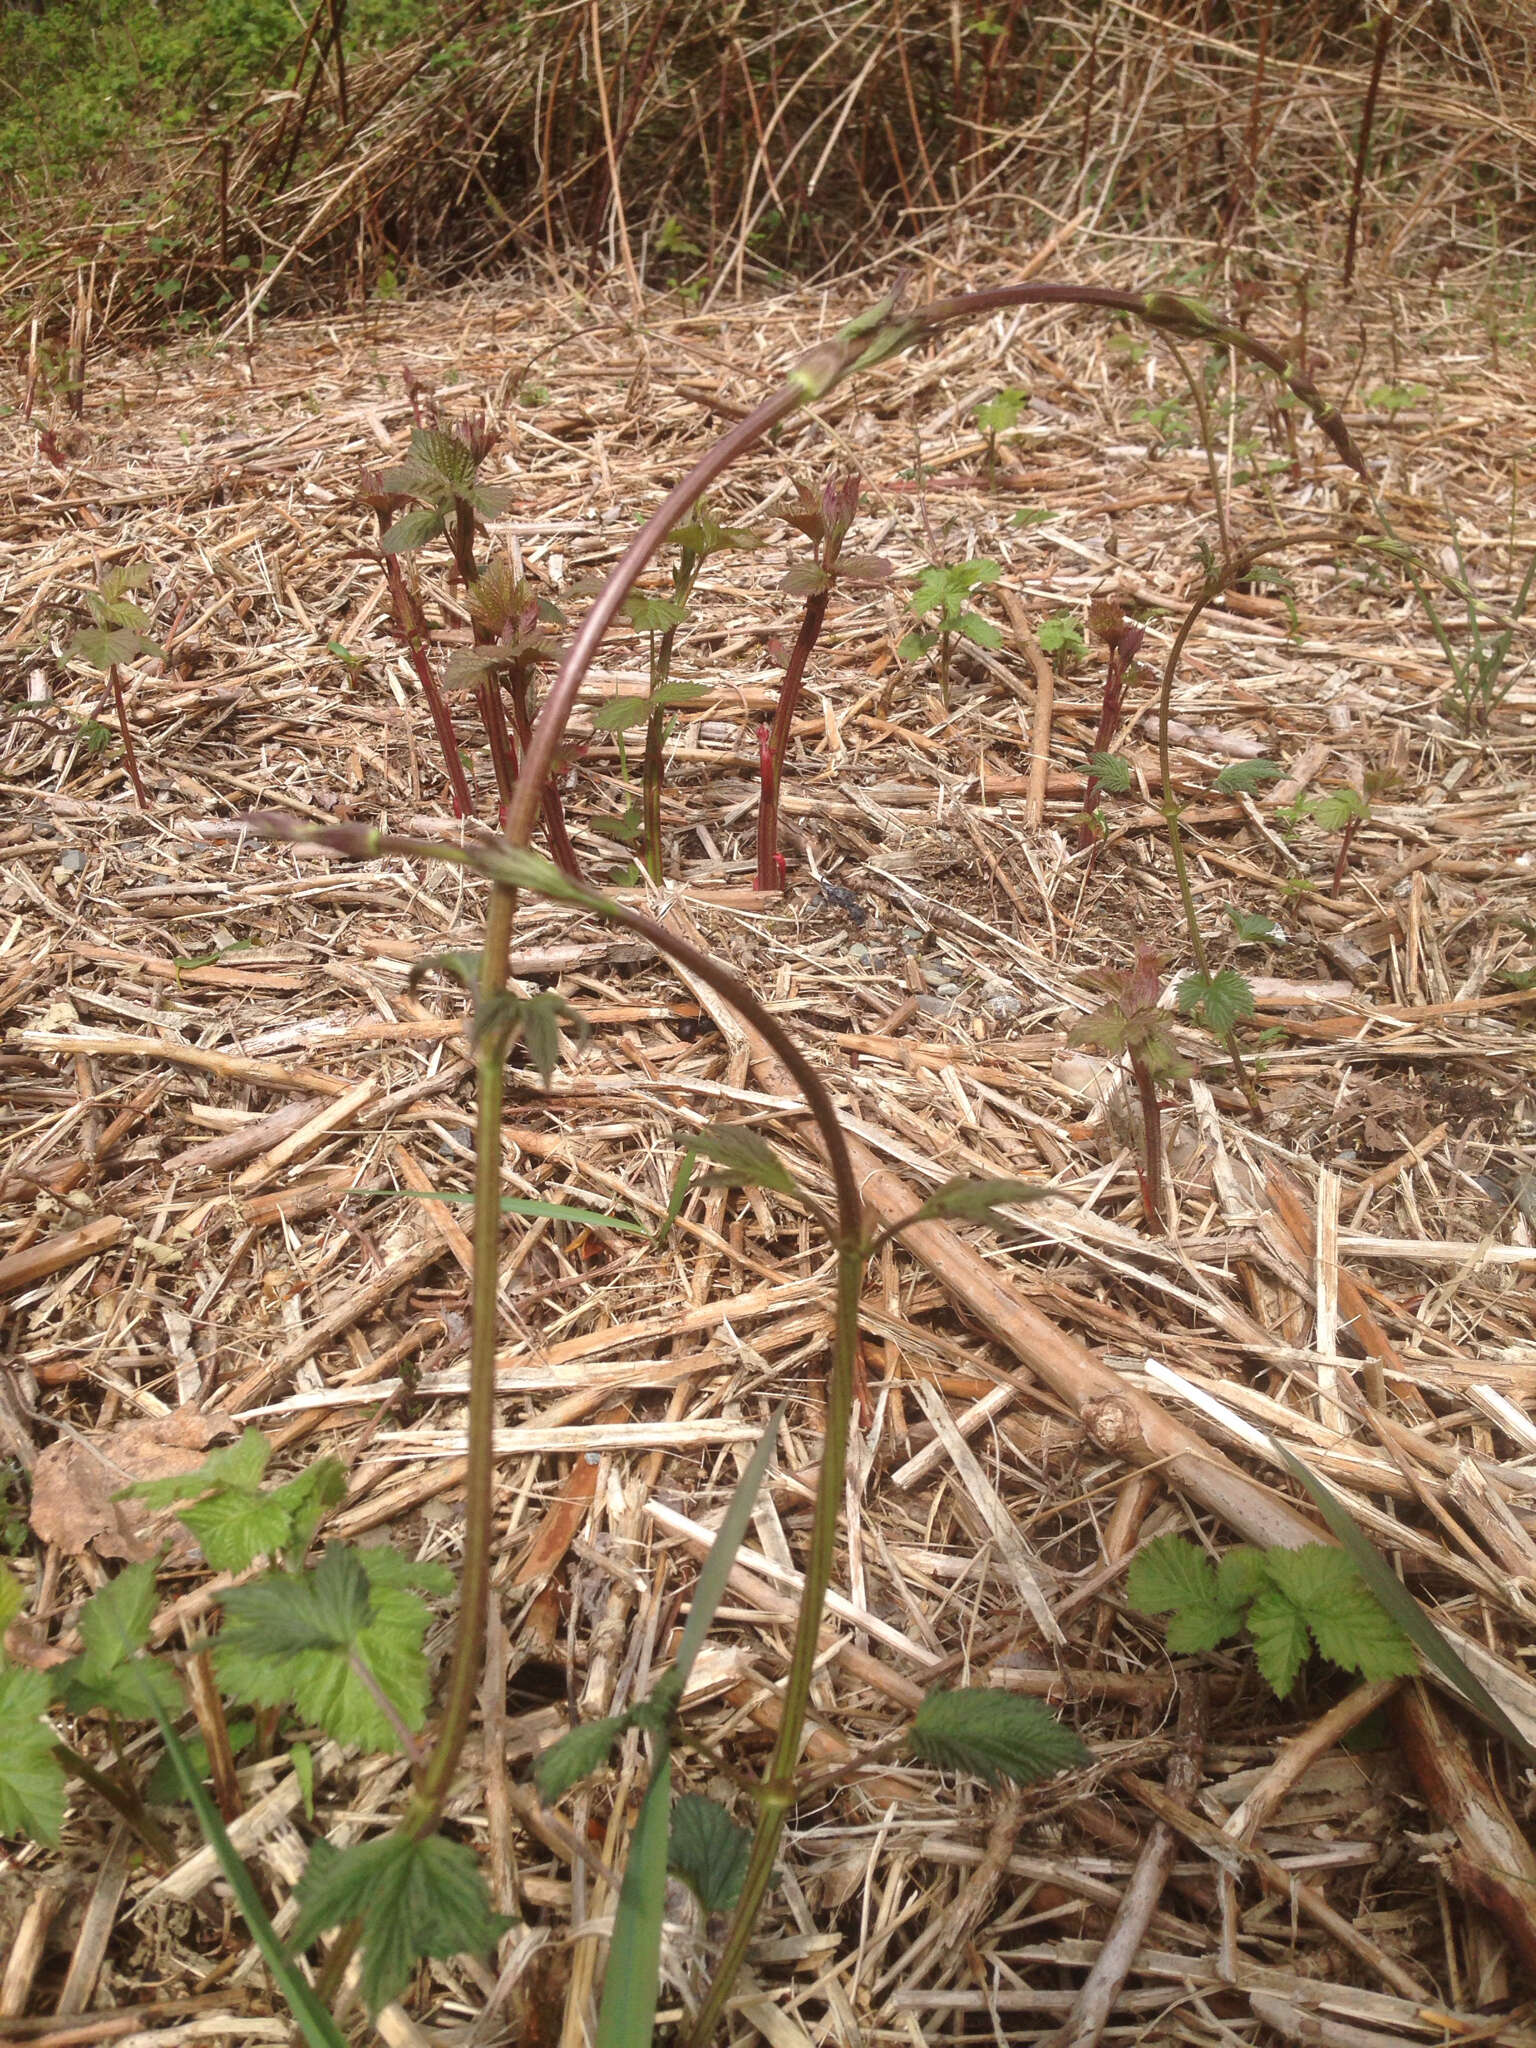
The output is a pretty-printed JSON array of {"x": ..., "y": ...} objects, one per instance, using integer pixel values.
[{"x": 217, "y": 1080}]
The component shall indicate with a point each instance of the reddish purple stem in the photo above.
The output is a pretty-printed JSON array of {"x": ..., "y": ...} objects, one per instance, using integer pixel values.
[{"x": 771, "y": 869}]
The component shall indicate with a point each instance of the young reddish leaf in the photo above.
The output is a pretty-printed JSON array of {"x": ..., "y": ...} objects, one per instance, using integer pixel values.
[
  {"x": 864, "y": 569},
  {"x": 805, "y": 579}
]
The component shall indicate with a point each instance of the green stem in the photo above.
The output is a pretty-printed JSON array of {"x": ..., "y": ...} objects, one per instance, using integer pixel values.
[
  {"x": 426, "y": 1809},
  {"x": 778, "y": 1790},
  {"x": 124, "y": 1801},
  {"x": 651, "y": 772},
  {"x": 1232, "y": 569},
  {"x": 1197, "y": 393}
]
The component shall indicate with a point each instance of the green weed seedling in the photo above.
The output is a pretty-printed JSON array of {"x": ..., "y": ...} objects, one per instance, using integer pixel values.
[
  {"x": 118, "y": 632},
  {"x": 943, "y": 595},
  {"x": 1061, "y": 637},
  {"x": 1000, "y": 414},
  {"x": 824, "y": 517},
  {"x": 1287, "y": 1602},
  {"x": 659, "y": 618},
  {"x": 1481, "y": 673}
]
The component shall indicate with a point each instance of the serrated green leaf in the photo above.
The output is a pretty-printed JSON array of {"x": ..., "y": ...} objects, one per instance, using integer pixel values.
[
  {"x": 742, "y": 1159},
  {"x": 1112, "y": 772},
  {"x": 414, "y": 1898},
  {"x": 31, "y": 1783},
  {"x": 1348, "y": 1624},
  {"x": 300, "y": 1638},
  {"x": 1280, "y": 1639},
  {"x": 980, "y": 632},
  {"x": 1336, "y": 808},
  {"x": 1171, "y": 1572},
  {"x": 1000, "y": 413},
  {"x": 1201, "y": 1626},
  {"x": 977, "y": 1201},
  {"x": 648, "y": 613},
  {"x": 673, "y": 693},
  {"x": 115, "y": 1621},
  {"x": 625, "y": 830},
  {"x": 412, "y": 530},
  {"x": 992, "y": 1735},
  {"x": 460, "y": 967},
  {"x": 931, "y": 592},
  {"x": 1400, "y": 1604},
  {"x": 708, "y": 1851},
  {"x": 1218, "y": 1001},
  {"x": 972, "y": 575},
  {"x": 1060, "y": 634},
  {"x": 114, "y": 1626},
  {"x": 1241, "y": 1575},
  {"x": 578, "y": 1753},
  {"x": 235, "y": 1527},
  {"x": 536, "y": 1020},
  {"x": 238, "y": 1464},
  {"x": 102, "y": 649},
  {"x": 1252, "y": 928},
  {"x": 1243, "y": 777},
  {"x": 440, "y": 459},
  {"x": 915, "y": 645},
  {"x": 117, "y": 581},
  {"x": 618, "y": 714}
]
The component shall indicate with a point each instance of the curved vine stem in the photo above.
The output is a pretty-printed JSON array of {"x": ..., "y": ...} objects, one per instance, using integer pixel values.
[
  {"x": 870, "y": 338},
  {"x": 873, "y": 336}
]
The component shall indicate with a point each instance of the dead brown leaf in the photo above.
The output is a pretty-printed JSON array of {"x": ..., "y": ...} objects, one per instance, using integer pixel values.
[{"x": 74, "y": 1480}]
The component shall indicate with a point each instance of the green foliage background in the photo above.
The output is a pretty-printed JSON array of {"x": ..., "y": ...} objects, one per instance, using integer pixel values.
[{"x": 84, "y": 76}]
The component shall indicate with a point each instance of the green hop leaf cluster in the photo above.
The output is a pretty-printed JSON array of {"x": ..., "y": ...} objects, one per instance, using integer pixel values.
[
  {"x": 233, "y": 1519},
  {"x": 341, "y": 1643},
  {"x": 1288, "y": 1601}
]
